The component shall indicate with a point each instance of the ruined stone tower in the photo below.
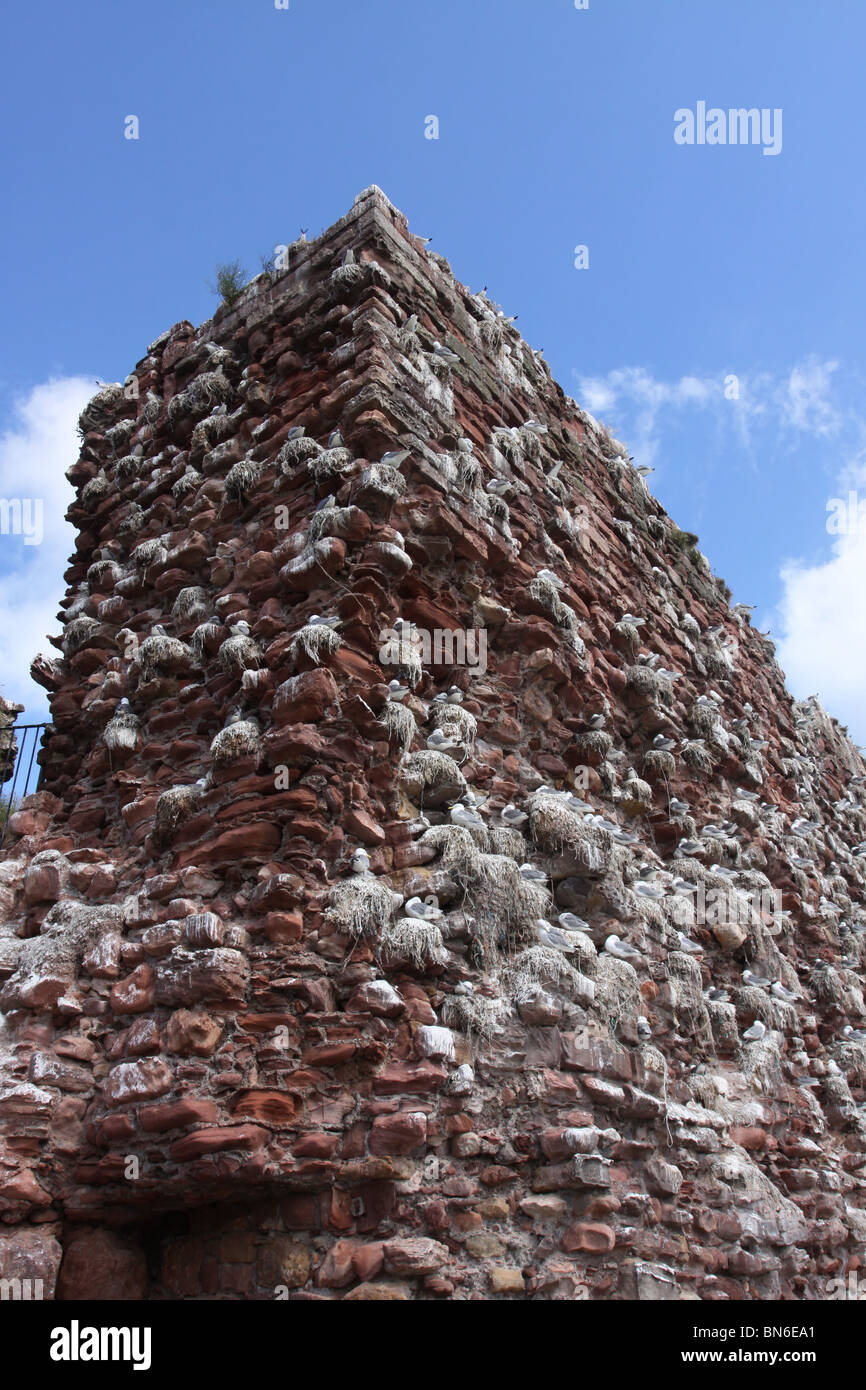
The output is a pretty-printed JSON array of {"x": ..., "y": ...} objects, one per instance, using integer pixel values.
[{"x": 237, "y": 1062}]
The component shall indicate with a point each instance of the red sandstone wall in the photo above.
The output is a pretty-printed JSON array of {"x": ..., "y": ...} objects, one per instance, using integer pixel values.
[{"x": 210, "y": 1085}]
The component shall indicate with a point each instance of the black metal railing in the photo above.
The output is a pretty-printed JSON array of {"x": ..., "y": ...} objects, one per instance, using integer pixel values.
[{"x": 20, "y": 773}]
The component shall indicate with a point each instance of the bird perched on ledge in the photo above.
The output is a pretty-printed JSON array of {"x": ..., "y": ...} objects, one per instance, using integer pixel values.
[
  {"x": 465, "y": 817},
  {"x": 621, "y": 950},
  {"x": 360, "y": 862}
]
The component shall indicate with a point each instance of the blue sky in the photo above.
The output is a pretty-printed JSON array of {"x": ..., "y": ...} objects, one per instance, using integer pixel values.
[{"x": 556, "y": 129}]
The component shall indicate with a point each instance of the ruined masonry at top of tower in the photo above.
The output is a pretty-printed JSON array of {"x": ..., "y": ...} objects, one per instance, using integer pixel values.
[{"x": 290, "y": 1008}]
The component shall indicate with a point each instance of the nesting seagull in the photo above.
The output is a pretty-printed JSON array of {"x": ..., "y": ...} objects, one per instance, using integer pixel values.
[
  {"x": 683, "y": 887},
  {"x": 530, "y": 874},
  {"x": 360, "y": 862},
  {"x": 756, "y": 981},
  {"x": 778, "y": 991},
  {"x": 649, "y": 890},
  {"x": 424, "y": 909},
  {"x": 444, "y": 354},
  {"x": 663, "y": 744},
  {"x": 722, "y": 872},
  {"x": 572, "y": 923},
  {"x": 686, "y": 846},
  {"x": 452, "y": 696},
  {"x": 554, "y": 937},
  {"x": 513, "y": 817},
  {"x": 620, "y": 949},
  {"x": 756, "y": 1032},
  {"x": 439, "y": 741},
  {"x": 692, "y": 948},
  {"x": 465, "y": 817}
]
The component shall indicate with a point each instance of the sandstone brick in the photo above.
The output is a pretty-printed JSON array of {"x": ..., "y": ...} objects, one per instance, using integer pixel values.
[
  {"x": 591, "y": 1236},
  {"x": 398, "y": 1134},
  {"x": 506, "y": 1279}
]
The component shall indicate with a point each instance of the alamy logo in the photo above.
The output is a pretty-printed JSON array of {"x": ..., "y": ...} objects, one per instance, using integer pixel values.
[
  {"x": 77, "y": 1343},
  {"x": 22, "y": 516},
  {"x": 714, "y": 907},
  {"x": 853, "y": 1290},
  {"x": 737, "y": 126},
  {"x": 847, "y": 518},
  {"x": 21, "y": 1290},
  {"x": 442, "y": 647}
]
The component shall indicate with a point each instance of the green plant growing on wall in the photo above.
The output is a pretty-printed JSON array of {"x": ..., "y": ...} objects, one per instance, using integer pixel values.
[
  {"x": 683, "y": 540},
  {"x": 230, "y": 280}
]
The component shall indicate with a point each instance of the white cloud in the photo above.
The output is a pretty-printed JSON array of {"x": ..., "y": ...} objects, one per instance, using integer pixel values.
[
  {"x": 799, "y": 400},
  {"x": 640, "y": 399},
  {"x": 35, "y": 451},
  {"x": 804, "y": 399},
  {"x": 822, "y": 617}
]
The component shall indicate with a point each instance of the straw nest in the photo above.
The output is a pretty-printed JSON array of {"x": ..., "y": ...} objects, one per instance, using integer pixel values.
[
  {"x": 101, "y": 409},
  {"x": 238, "y": 654},
  {"x": 174, "y": 807},
  {"x": 121, "y": 731},
  {"x": 189, "y": 481},
  {"x": 211, "y": 431},
  {"x": 330, "y": 521},
  {"x": 546, "y": 595},
  {"x": 150, "y": 552},
  {"x": 432, "y": 779},
  {"x": 241, "y": 478},
  {"x": 399, "y": 721},
  {"x": 688, "y": 1003},
  {"x": 404, "y": 658},
  {"x": 455, "y": 722},
  {"x": 191, "y": 605},
  {"x": 237, "y": 740},
  {"x": 164, "y": 656},
  {"x": 361, "y": 907},
  {"x": 316, "y": 642},
  {"x": 330, "y": 463},
  {"x": 384, "y": 479},
  {"x": 472, "y": 1014},
  {"x": 295, "y": 452},
  {"x": 77, "y": 633},
  {"x": 96, "y": 488},
  {"x": 410, "y": 942},
  {"x": 535, "y": 967},
  {"x": 557, "y": 830},
  {"x": 618, "y": 993},
  {"x": 205, "y": 391}
]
